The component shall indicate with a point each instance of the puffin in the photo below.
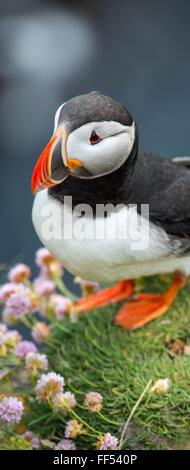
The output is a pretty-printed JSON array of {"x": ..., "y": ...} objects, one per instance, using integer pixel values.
[{"x": 109, "y": 212}]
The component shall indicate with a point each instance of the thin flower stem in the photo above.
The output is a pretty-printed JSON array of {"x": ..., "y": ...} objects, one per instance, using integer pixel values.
[
  {"x": 33, "y": 379},
  {"x": 60, "y": 417},
  {"x": 94, "y": 327},
  {"x": 57, "y": 324},
  {"x": 82, "y": 407},
  {"x": 88, "y": 434},
  {"x": 38, "y": 419},
  {"x": 82, "y": 421},
  {"x": 31, "y": 318},
  {"x": 132, "y": 412},
  {"x": 63, "y": 289},
  {"x": 61, "y": 360},
  {"x": 55, "y": 411},
  {"x": 94, "y": 342},
  {"x": 108, "y": 420},
  {"x": 74, "y": 389},
  {"x": 86, "y": 380},
  {"x": 26, "y": 322},
  {"x": 51, "y": 342},
  {"x": 73, "y": 413},
  {"x": 145, "y": 404},
  {"x": 48, "y": 341}
]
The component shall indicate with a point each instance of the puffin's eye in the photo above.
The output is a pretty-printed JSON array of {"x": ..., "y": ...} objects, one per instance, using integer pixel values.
[{"x": 94, "y": 138}]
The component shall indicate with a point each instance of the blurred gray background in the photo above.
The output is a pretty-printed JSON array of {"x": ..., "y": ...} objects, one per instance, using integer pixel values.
[{"x": 135, "y": 51}]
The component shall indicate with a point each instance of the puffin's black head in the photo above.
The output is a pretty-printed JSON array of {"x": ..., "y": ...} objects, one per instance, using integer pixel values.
[{"x": 93, "y": 136}]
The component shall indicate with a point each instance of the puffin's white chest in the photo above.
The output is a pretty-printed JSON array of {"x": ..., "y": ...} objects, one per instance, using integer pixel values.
[{"x": 123, "y": 246}]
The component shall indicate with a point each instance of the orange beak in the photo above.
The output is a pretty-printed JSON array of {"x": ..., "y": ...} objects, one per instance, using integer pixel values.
[
  {"x": 53, "y": 166},
  {"x": 50, "y": 168}
]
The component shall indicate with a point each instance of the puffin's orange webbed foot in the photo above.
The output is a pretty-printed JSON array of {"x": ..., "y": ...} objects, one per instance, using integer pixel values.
[
  {"x": 146, "y": 307},
  {"x": 113, "y": 294}
]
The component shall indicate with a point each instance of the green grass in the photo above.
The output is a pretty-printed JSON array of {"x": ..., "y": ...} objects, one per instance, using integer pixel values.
[{"x": 99, "y": 356}]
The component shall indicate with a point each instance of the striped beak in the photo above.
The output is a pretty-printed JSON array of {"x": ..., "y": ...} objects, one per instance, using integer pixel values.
[{"x": 53, "y": 166}]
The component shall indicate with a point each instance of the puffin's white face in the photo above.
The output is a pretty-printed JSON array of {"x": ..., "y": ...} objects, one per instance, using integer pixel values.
[
  {"x": 101, "y": 147},
  {"x": 89, "y": 151}
]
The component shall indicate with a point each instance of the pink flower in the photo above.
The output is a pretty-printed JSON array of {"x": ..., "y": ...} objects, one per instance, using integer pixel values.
[
  {"x": 36, "y": 362},
  {"x": 16, "y": 307},
  {"x": 32, "y": 439},
  {"x": 43, "y": 257},
  {"x": 160, "y": 386},
  {"x": 88, "y": 287},
  {"x": 44, "y": 286},
  {"x": 24, "y": 347},
  {"x": 73, "y": 429},
  {"x": 65, "y": 444},
  {"x": 7, "y": 289},
  {"x": 47, "y": 262},
  {"x": 20, "y": 272},
  {"x": 64, "y": 401},
  {"x": 49, "y": 385},
  {"x": 11, "y": 410},
  {"x": 107, "y": 442},
  {"x": 40, "y": 332},
  {"x": 93, "y": 401},
  {"x": 63, "y": 307},
  {"x": 11, "y": 338}
]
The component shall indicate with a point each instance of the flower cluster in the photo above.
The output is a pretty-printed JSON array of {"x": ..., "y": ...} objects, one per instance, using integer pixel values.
[
  {"x": 48, "y": 386},
  {"x": 93, "y": 401},
  {"x": 65, "y": 444},
  {"x": 23, "y": 348},
  {"x": 11, "y": 338},
  {"x": 160, "y": 386},
  {"x": 44, "y": 287},
  {"x": 36, "y": 362},
  {"x": 21, "y": 299},
  {"x": 73, "y": 429},
  {"x": 16, "y": 296},
  {"x": 11, "y": 410},
  {"x": 40, "y": 332},
  {"x": 17, "y": 306},
  {"x": 87, "y": 287},
  {"x": 32, "y": 439},
  {"x": 7, "y": 290},
  {"x": 19, "y": 273},
  {"x": 20, "y": 296},
  {"x": 47, "y": 263},
  {"x": 64, "y": 401},
  {"x": 63, "y": 307},
  {"x": 107, "y": 442}
]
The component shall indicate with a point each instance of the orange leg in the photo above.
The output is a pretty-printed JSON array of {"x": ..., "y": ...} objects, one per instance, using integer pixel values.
[
  {"x": 146, "y": 307},
  {"x": 113, "y": 294}
]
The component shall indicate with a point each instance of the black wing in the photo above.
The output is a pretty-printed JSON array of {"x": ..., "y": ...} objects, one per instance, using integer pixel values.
[{"x": 165, "y": 185}]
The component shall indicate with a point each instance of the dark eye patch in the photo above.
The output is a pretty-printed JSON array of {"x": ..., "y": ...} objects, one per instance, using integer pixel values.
[{"x": 94, "y": 138}]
